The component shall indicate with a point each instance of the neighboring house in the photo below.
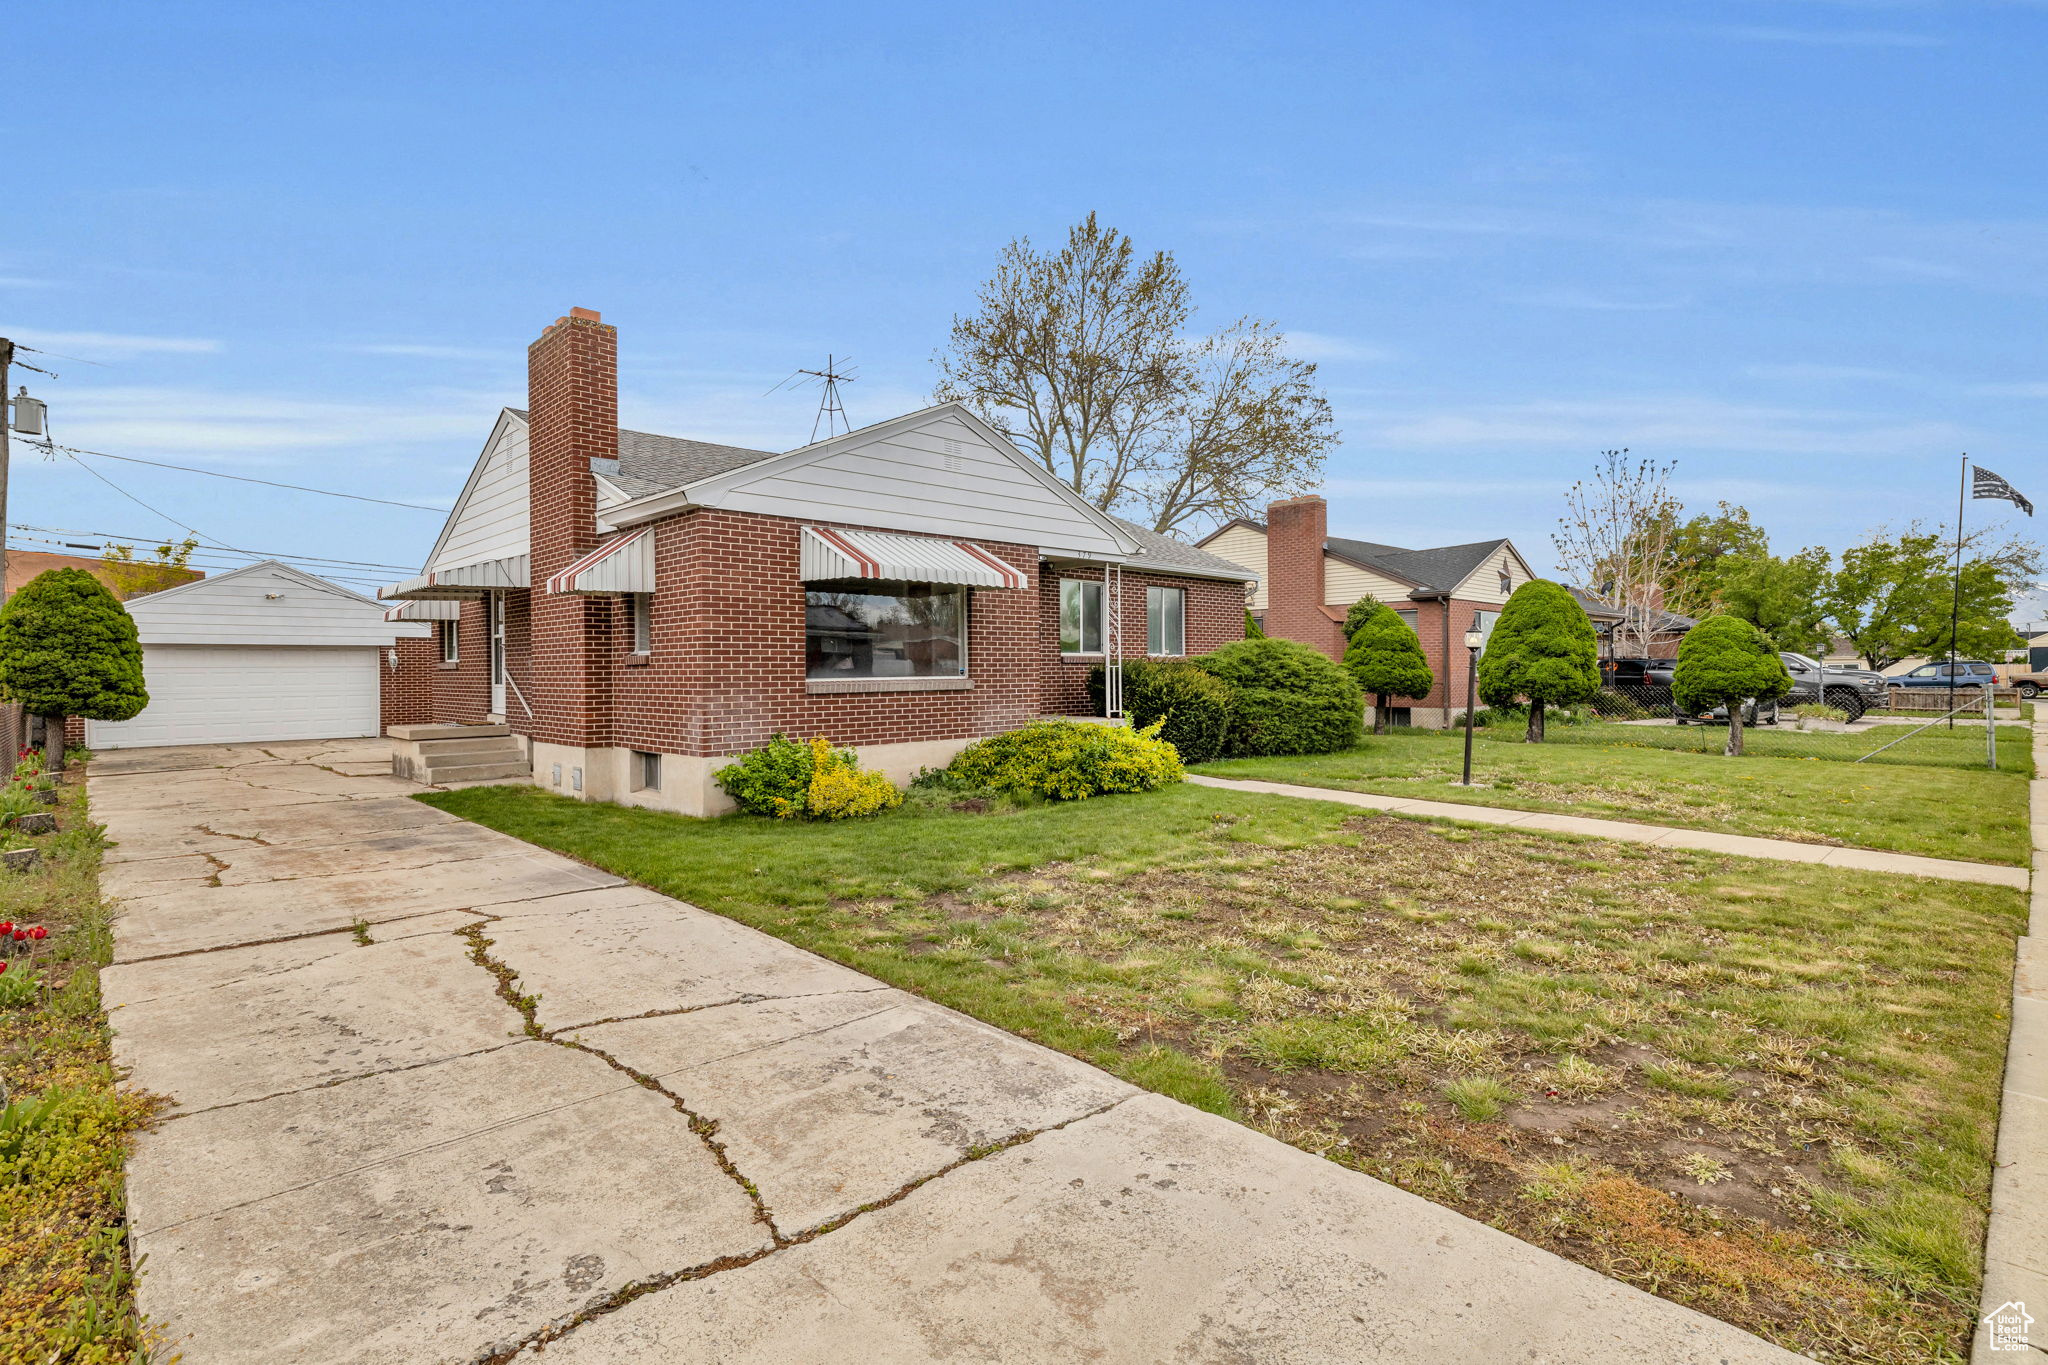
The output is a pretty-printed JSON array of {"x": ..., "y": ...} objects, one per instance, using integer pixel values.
[
  {"x": 1307, "y": 581},
  {"x": 1667, "y": 629},
  {"x": 23, "y": 565},
  {"x": 638, "y": 608},
  {"x": 266, "y": 652}
]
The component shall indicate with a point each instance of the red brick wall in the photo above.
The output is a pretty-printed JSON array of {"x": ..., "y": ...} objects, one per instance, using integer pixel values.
[
  {"x": 573, "y": 401},
  {"x": 1214, "y": 617},
  {"x": 408, "y": 690},
  {"x": 728, "y": 666},
  {"x": 1295, "y": 532}
]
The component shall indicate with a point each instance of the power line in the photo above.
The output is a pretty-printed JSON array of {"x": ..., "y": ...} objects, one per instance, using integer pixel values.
[
  {"x": 239, "y": 478},
  {"x": 145, "y": 506},
  {"x": 121, "y": 538}
]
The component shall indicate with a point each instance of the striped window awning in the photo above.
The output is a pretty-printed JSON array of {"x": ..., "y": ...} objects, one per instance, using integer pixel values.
[
  {"x": 829, "y": 553},
  {"x": 625, "y": 563},
  {"x": 437, "y": 609},
  {"x": 462, "y": 580}
]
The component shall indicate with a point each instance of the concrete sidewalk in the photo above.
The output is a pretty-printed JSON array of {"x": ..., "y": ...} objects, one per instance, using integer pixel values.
[
  {"x": 1741, "y": 845},
  {"x": 698, "y": 1143}
]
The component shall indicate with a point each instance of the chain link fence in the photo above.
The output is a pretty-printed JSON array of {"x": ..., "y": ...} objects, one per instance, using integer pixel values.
[{"x": 1645, "y": 717}]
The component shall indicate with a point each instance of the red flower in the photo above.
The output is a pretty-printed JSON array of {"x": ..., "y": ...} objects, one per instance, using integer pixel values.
[
  {"x": 21, "y": 935},
  {"x": 3, "y": 969},
  {"x": 39, "y": 933},
  {"x": 6, "y": 927}
]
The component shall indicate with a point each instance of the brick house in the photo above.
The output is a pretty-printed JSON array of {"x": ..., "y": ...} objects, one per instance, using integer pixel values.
[
  {"x": 637, "y": 608},
  {"x": 1308, "y": 580}
]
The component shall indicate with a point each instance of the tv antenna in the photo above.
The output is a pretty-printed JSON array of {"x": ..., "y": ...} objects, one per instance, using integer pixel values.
[{"x": 838, "y": 370}]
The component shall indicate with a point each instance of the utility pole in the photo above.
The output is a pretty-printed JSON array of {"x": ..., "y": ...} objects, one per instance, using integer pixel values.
[{"x": 6, "y": 361}]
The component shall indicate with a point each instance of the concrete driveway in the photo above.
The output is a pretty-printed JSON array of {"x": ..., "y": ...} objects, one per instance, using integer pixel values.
[{"x": 698, "y": 1143}]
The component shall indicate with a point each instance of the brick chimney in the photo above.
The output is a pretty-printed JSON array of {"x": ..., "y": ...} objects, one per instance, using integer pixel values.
[
  {"x": 572, "y": 388},
  {"x": 1295, "y": 531}
]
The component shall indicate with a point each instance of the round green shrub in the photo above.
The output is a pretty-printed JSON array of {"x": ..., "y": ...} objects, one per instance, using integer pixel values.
[
  {"x": 1291, "y": 699},
  {"x": 1193, "y": 708},
  {"x": 774, "y": 779},
  {"x": 1725, "y": 661},
  {"x": 1542, "y": 651},
  {"x": 1068, "y": 760},
  {"x": 1384, "y": 657},
  {"x": 67, "y": 648}
]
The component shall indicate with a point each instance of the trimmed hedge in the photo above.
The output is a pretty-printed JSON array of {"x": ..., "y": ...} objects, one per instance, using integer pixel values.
[
  {"x": 813, "y": 781},
  {"x": 1291, "y": 699},
  {"x": 1069, "y": 760},
  {"x": 1193, "y": 709}
]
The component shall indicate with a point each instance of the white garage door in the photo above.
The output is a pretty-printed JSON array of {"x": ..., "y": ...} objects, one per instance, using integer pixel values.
[{"x": 222, "y": 694}]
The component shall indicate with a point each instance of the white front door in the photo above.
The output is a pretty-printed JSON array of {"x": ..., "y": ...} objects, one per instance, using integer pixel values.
[
  {"x": 243, "y": 694},
  {"x": 494, "y": 607}
]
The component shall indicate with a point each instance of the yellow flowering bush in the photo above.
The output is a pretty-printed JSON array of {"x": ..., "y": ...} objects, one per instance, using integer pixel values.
[
  {"x": 839, "y": 790},
  {"x": 1070, "y": 760}
]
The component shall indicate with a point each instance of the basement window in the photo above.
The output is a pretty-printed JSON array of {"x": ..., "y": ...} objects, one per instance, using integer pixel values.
[
  {"x": 646, "y": 771},
  {"x": 643, "y": 622}
]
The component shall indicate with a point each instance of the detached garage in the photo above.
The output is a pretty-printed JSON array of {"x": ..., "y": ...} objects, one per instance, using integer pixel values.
[{"x": 263, "y": 653}]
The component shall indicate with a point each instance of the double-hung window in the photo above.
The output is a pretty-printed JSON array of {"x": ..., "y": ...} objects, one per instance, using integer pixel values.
[
  {"x": 1080, "y": 616},
  {"x": 451, "y": 640},
  {"x": 1165, "y": 621},
  {"x": 1410, "y": 617}
]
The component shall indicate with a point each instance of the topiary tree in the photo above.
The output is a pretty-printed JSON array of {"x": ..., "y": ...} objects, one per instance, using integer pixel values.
[
  {"x": 1385, "y": 657},
  {"x": 1726, "y": 661},
  {"x": 1291, "y": 699},
  {"x": 1541, "y": 651},
  {"x": 67, "y": 648}
]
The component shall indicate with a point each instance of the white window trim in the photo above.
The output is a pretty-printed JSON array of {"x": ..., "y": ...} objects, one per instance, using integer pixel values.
[
  {"x": 1157, "y": 593},
  {"x": 450, "y": 641},
  {"x": 1090, "y": 588}
]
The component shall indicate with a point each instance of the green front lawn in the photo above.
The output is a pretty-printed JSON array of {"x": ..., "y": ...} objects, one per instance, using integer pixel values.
[
  {"x": 1765, "y": 1090},
  {"x": 1941, "y": 812}
]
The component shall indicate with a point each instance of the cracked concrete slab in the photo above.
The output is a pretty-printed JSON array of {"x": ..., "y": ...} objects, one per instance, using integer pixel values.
[
  {"x": 1154, "y": 1232},
  {"x": 172, "y": 831},
  {"x": 336, "y": 1015},
  {"x": 836, "y": 1101},
  {"x": 594, "y": 961},
  {"x": 191, "y": 916},
  {"x": 138, "y": 983},
  {"x": 423, "y": 1216}
]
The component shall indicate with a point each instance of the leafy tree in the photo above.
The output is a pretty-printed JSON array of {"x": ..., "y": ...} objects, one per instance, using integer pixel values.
[
  {"x": 1726, "y": 661},
  {"x": 1704, "y": 549},
  {"x": 1541, "y": 650},
  {"x": 1891, "y": 595},
  {"x": 67, "y": 648},
  {"x": 1780, "y": 597},
  {"x": 1082, "y": 357},
  {"x": 1385, "y": 657},
  {"x": 1291, "y": 698},
  {"x": 1615, "y": 540},
  {"x": 1252, "y": 629},
  {"x": 165, "y": 566}
]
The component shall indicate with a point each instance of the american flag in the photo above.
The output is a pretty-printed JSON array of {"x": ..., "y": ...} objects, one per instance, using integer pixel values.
[{"x": 1985, "y": 484}]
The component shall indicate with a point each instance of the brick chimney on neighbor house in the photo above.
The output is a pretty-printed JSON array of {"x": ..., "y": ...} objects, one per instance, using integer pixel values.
[
  {"x": 572, "y": 399},
  {"x": 1295, "y": 531}
]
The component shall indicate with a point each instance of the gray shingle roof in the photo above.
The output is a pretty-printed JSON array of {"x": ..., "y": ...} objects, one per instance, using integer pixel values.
[
  {"x": 1438, "y": 570},
  {"x": 1169, "y": 553}
]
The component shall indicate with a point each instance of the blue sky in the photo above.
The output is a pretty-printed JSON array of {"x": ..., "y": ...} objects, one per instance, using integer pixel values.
[{"x": 1798, "y": 246}]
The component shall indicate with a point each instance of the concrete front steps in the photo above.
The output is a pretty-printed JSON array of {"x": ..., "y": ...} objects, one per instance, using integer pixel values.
[{"x": 440, "y": 755}]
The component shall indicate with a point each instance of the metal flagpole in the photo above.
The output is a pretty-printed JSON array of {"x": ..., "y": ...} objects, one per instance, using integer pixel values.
[{"x": 1955, "y": 596}]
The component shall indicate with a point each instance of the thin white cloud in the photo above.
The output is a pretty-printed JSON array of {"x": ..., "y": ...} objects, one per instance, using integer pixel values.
[
  {"x": 102, "y": 345},
  {"x": 1815, "y": 373},
  {"x": 1323, "y": 346},
  {"x": 1821, "y": 37},
  {"x": 231, "y": 428},
  {"x": 423, "y": 351},
  {"x": 2029, "y": 390},
  {"x": 1568, "y": 296},
  {"x": 24, "y": 282}
]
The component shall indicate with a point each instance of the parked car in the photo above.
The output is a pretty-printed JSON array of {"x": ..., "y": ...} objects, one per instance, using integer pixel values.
[
  {"x": 1851, "y": 690},
  {"x": 1967, "y": 673}
]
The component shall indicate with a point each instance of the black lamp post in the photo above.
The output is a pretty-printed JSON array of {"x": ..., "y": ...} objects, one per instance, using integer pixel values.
[{"x": 1475, "y": 640}]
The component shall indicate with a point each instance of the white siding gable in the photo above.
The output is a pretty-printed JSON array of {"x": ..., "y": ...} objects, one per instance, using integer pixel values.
[
  {"x": 1483, "y": 584},
  {"x": 937, "y": 474},
  {"x": 1344, "y": 583},
  {"x": 1244, "y": 545},
  {"x": 490, "y": 519},
  {"x": 264, "y": 604}
]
